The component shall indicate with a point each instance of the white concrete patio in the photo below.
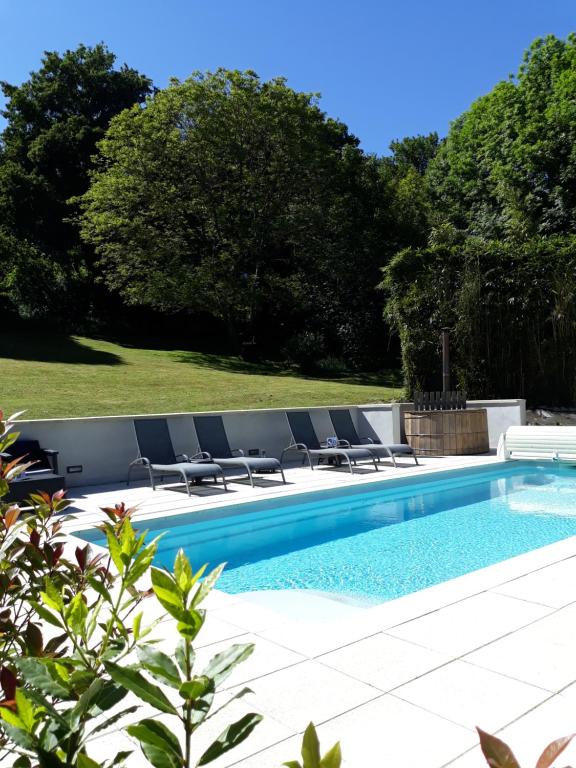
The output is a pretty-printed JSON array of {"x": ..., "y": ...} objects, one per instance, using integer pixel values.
[{"x": 403, "y": 683}]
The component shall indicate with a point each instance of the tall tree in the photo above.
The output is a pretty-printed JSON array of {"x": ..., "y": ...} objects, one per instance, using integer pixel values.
[
  {"x": 227, "y": 194},
  {"x": 508, "y": 166},
  {"x": 54, "y": 121}
]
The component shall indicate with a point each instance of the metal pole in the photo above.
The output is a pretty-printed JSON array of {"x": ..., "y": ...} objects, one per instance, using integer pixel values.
[{"x": 445, "y": 359}]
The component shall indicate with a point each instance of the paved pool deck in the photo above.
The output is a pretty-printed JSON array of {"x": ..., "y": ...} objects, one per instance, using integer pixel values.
[{"x": 401, "y": 684}]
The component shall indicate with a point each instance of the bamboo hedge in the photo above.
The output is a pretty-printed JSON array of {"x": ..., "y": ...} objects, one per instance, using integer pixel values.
[{"x": 509, "y": 306}]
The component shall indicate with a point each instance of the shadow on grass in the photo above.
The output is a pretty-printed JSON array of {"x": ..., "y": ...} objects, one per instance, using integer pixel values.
[
  {"x": 391, "y": 378},
  {"x": 45, "y": 348}
]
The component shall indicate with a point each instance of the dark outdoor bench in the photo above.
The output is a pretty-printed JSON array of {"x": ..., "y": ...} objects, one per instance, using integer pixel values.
[{"x": 41, "y": 476}]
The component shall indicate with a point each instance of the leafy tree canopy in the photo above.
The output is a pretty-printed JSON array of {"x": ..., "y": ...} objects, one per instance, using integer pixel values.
[
  {"x": 54, "y": 121},
  {"x": 508, "y": 166},
  {"x": 226, "y": 194}
]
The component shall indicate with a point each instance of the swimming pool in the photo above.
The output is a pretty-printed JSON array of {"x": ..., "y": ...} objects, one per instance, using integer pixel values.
[{"x": 371, "y": 543}]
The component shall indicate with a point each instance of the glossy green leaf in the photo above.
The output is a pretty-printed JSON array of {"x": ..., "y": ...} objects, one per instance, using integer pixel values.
[
  {"x": 76, "y": 614},
  {"x": 165, "y": 586},
  {"x": 51, "y": 596},
  {"x": 332, "y": 758},
  {"x": 11, "y": 718},
  {"x": 553, "y": 750},
  {"x": 229, "y": 738},
  {"x": 158, "y": 743},
  {"x": 47, "y": 615},
  {"x": 310, "y": 747},
  {"x": 497, "y": 753},
  {"x": 25, "y": 710},
  {"x": 85, "y": 701},
  {"x": 17, "y": 735},
  {"x": 100, "y": 588},
  {"x": 141, "y": 565},
  {"x": 180, "y": 655},
  {"x": 136, "y": 625},
  {"x": 140, "y": 687},
  {"x": 190, "y": 623},
  {"x": 208, "y": 584},
  {"x": 195, "y": 688},
  {"x": 42, "y": 674},
  {"x": 86, "y": 762},
  {"x": 221, "y": 665},
  {"x": 159, "y": 665},
  {"x": 183, "y": 572},
  {"x": 115, "y": 550}
]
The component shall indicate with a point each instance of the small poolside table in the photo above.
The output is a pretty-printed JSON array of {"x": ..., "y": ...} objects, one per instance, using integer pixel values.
[{"x": 31, "y": 482}]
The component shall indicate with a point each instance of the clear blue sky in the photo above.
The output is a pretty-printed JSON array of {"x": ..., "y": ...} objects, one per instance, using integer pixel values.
[{"x": 387, "y": 68}]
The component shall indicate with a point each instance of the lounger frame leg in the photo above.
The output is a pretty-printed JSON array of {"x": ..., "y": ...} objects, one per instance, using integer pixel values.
[{"x": 186, "y": 482}]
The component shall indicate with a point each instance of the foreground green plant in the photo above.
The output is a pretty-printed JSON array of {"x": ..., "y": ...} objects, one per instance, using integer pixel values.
[
  {"x": 181, "y": 593},
  {"x": 311, "y": 753},
  {"x": 58, "y": 704}
]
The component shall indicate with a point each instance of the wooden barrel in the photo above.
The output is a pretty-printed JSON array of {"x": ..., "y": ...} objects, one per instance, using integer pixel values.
[{"x": 447, "y": 433}]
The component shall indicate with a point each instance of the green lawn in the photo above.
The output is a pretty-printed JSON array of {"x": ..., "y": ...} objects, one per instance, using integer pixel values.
[{"x": 74, "y": 376}]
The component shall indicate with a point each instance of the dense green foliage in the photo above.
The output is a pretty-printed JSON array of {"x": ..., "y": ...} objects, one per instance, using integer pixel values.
[
  {"x": 241, "y": 199},
  {"x": 510, "y": 307},
  {"x": 499, "y": 266},
  {"x": 54, "y": 122}
]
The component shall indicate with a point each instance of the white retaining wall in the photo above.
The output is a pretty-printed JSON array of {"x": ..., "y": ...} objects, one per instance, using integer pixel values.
[{"x": 104, "y": 445}]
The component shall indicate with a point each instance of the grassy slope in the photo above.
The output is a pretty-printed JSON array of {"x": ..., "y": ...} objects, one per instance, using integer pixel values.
[{"x": 74, "y": 376}]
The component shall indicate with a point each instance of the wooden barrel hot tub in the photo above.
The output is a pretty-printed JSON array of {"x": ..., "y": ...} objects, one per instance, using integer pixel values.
[{"x": 447, "y": 433}]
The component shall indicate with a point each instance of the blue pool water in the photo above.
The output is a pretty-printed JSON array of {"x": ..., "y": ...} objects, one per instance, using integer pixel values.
[{"x": 376, "y": 542}]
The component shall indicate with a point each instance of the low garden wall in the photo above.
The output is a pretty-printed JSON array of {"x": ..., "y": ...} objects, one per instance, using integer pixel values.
[{"x": 97, "y": 450}]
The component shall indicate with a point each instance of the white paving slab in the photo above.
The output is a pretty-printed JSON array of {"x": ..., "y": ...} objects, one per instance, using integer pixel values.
[
  {"x": 542, "y": 654},
  {"x": 471, "y": 696},
  {"x": 470, "y": 624},
  {"x": 552, "y": 585},
  {"x": 383, "y": 661}
]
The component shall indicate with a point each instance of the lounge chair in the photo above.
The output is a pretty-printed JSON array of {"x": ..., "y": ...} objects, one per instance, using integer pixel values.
[
  {"x": 156, "y": 454},
  {"x": 348, "y": 437},
  {"x": 213, "y": 445},
  {"x": 305, "y": 440}
]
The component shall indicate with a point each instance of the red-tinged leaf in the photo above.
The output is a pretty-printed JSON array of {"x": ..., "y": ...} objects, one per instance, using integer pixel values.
[
  {"x": 16, "y": 462},
  {"x": 58, "y": 495},
  {"x": 8, "y": 682},
  {"x": 34, "y": 639},
  {"x": 553, "y": 750},
  {"x": 35, "y": 539},
  {"x": 9, "y": 704},
  {"x": 11, "y": 516},
  {"x": 497, "y": 753},
  {"x": 58, "y": 550},
  {"x": 81, "y": 556}
]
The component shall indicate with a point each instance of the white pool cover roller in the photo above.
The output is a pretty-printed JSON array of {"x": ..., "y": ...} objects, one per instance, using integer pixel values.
[{"x": 558, "y": 443}]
